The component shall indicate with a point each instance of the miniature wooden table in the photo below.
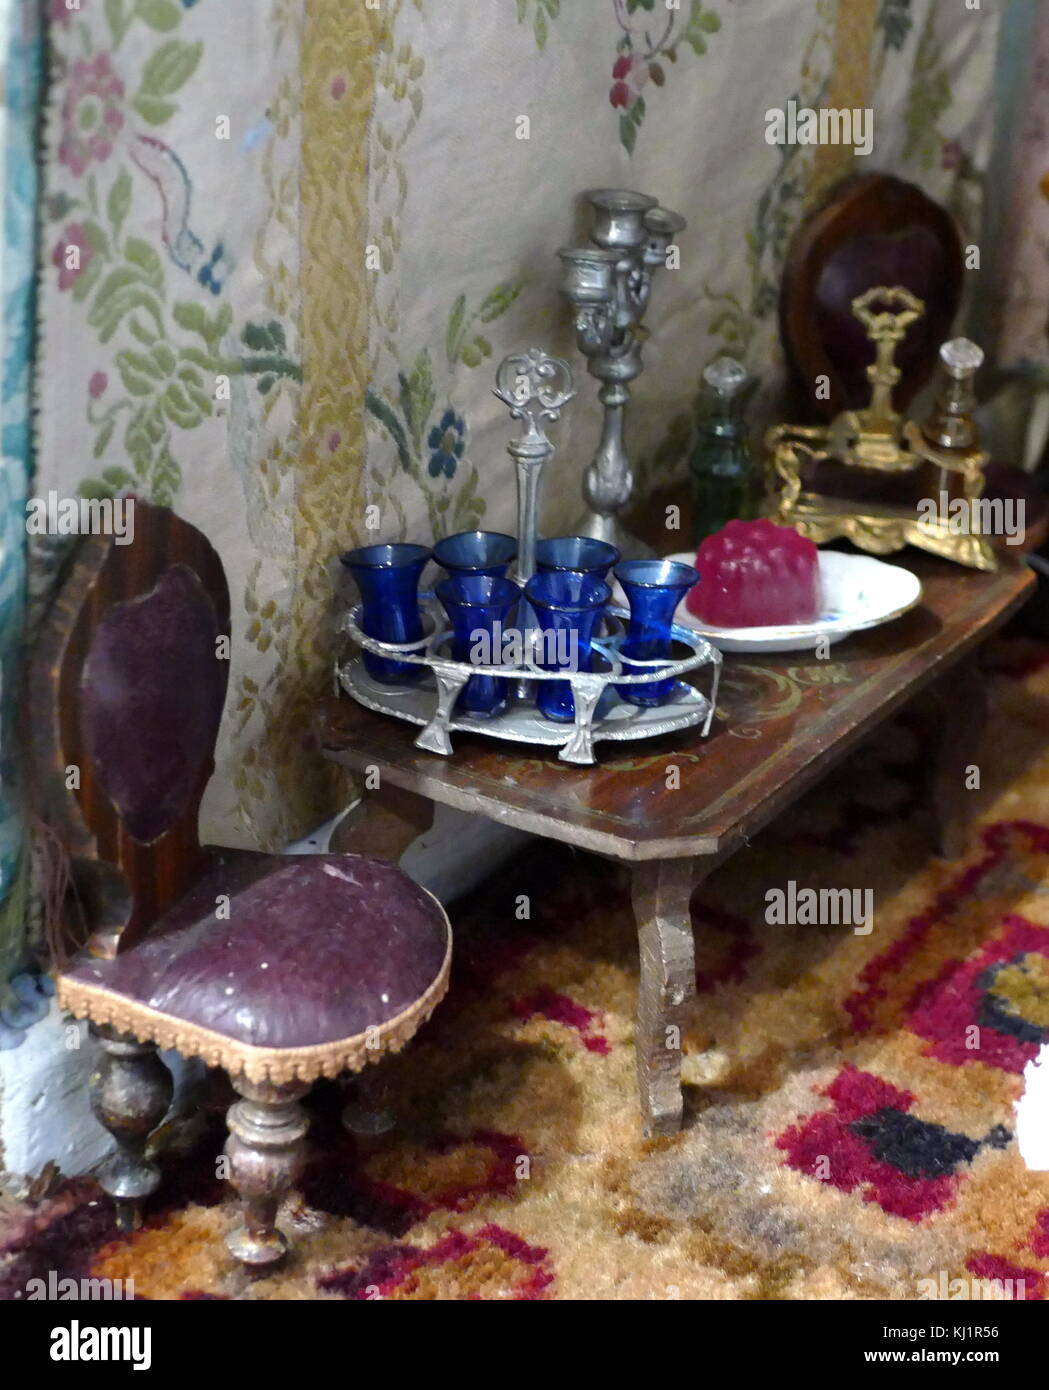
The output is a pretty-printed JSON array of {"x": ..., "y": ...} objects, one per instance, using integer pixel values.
[{"x": 782, "y": 721}]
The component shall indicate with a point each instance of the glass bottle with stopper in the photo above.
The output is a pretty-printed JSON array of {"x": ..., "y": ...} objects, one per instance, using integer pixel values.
[{"x": 721, "y": 467}]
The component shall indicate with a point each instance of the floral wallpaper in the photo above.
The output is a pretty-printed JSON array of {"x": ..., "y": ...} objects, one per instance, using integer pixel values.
[
  {"x": 1021, "y": 299},
  {"x": 286, "y": 242}
]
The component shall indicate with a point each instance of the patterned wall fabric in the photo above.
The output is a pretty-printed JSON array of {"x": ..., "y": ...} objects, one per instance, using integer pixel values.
[
  {"x": 1022, "y": 301},
  {"x": 308, "y": 231}
]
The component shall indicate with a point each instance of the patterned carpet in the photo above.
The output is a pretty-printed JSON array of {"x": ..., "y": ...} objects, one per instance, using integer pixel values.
[{"x": 850, "y": 1099}]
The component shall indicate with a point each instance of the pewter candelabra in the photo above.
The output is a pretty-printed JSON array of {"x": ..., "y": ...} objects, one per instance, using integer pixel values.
[{"x": 608, "y": 284}]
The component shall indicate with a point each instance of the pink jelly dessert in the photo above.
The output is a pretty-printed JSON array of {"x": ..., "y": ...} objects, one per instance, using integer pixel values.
[{"x": 756, "y": 574}]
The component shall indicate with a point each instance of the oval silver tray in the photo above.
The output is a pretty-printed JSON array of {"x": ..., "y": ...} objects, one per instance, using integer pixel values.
[{"x": 600, "y": 713}]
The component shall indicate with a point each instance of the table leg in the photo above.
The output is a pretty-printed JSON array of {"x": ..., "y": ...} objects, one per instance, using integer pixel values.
[
  {"x": 661, "y": 890},
  {"x": 961, "y": 700}
]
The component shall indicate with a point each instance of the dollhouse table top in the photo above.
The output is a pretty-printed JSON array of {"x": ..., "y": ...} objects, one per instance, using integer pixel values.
[{"x": 782, "y": 721}]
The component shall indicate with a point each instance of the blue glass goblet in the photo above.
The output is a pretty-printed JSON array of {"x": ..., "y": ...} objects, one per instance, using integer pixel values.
[
  {"x": 580, "y": 554},
  {"x": 567, "y": 607},
  {"x": 479, "y": 607},
  {"x": 388, "y": 578},
  {"x": 476, "y": 552},
  {"x": 654, "y": 588}
]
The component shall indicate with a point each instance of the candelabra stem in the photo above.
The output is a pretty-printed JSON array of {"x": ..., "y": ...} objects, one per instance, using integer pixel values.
[
  {"x": 529, "y": 476},
  {"x": 609, "y": 481}
]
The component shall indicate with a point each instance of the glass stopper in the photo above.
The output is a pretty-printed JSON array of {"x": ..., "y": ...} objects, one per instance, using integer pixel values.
[
  {"x": 726, "y": 375},
  {"x": 961, "y": 356}
]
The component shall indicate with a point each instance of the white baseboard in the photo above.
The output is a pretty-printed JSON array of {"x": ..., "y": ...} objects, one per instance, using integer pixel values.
[{"x": 457, "y": 853}]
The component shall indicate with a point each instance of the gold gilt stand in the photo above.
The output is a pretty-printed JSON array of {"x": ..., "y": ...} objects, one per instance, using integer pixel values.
[{"x": 943, "y": 453}]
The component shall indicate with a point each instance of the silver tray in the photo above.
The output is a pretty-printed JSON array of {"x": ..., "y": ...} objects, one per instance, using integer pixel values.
[{"x": 600, "y": 713}]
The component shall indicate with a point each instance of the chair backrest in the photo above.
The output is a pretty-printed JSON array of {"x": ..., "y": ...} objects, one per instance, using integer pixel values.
[
  {"x": 126, "y": 689},
  {"x": 872, "y": 230}
]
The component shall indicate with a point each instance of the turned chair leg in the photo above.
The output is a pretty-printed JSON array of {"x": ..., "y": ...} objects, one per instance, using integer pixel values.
[
  {"x": 131, "y": 1091},
  {"x": 265, "y": 1148}
]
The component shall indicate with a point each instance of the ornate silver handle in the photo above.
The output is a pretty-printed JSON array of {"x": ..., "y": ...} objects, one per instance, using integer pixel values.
[{"x": 535, "y": 387}]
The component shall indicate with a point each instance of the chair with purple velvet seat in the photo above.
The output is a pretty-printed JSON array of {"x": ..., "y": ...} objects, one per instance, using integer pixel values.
[{"x": 277, "y": 969}]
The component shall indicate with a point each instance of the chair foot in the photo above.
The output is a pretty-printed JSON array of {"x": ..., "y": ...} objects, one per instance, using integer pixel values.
[
  {"x": 131, "y": 1092},
  {"x": 266, "y": 1150}
]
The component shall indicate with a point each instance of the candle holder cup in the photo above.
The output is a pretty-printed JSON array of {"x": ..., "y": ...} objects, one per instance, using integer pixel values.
[
  {"x": 388, "y": 579},
  {"x": 567, "y": 608},
  {"x": 480, "y": 609},
  {"x": 488, "y": 553},
  {"x": 575, "y": 554},
  {"x": 653, "y": 588}
]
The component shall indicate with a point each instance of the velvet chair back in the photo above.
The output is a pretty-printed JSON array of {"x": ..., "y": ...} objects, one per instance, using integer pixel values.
[
  {"x": 126, "y": 687},
  {"x": 872, "y": 230}
]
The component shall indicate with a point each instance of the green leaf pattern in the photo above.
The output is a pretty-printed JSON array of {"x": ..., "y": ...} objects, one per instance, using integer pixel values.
[{"x": 168, "y": 352}]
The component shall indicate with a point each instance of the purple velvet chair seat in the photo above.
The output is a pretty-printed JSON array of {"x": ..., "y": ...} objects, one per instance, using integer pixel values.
[{"x": 278, "y": 968}]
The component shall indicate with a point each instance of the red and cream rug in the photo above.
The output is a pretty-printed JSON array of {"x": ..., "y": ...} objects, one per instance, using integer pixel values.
[{"x": 850, "y": 1123}]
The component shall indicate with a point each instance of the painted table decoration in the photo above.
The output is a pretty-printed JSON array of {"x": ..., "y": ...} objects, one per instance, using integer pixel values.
[{"x": 556, "y": 674}]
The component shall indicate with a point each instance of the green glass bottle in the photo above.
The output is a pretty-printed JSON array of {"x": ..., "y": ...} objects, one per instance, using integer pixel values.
[{"x": 723, "y": 484}]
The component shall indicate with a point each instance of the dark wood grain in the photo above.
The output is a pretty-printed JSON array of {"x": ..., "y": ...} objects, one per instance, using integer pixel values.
[
  {"x": 783, "y": 720},
  {"x": 873, "y": 229},
  {"x": 122, "y": 884}
]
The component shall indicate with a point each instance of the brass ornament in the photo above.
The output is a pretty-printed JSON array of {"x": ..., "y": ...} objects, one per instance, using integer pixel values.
[{"x": 877, "y": 439}]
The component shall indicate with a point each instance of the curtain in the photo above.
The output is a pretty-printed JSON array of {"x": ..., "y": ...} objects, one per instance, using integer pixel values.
[{"x": 20, "y": 65}]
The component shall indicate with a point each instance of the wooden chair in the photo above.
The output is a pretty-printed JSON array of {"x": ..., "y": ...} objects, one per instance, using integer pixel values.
[
  {"x": 277, "y": 969},
  {"x": 873, "y": 229}
]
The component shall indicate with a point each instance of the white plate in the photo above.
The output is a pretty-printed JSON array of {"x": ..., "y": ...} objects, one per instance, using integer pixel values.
[{"x": 858, "y": 592}]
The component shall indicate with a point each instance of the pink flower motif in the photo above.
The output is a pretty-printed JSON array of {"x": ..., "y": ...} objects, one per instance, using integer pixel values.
[
  {"x": 73, "y": 236},
  {"x": 629, "y": 74},
  {"x": 91, "y": 114},
  {"x": 952, "y": 156},
  {"x": 334, "y": 440},
  {"x": 97, "y": 385},
  {"x": 338, "y": 87}
]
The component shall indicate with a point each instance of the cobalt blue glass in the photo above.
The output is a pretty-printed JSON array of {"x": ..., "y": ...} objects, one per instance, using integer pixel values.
[
  {"x": 579, "y": 554},
  {"x": 479, "y": 607},
  {"x": 567, "y": 607},
  {"x": 476, "y": 552},
  {"x": 653, "y": 588},
  {"x": 388, "y": 578}
]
